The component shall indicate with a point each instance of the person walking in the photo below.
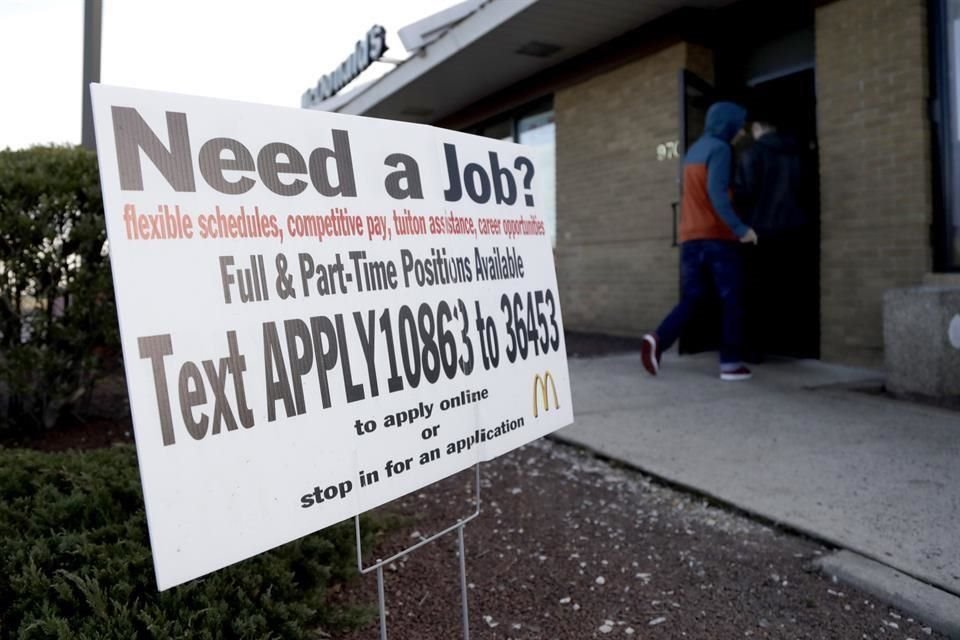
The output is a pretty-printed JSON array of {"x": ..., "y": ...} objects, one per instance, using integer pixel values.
[
  {"x": 710, "y": 231},
  {"x": 773, "y": 192}
]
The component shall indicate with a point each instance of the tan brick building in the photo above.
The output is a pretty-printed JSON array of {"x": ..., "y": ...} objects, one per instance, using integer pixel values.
[{"x": 618, "y": 88}]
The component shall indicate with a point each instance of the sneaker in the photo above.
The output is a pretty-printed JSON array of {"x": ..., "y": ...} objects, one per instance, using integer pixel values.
[
  {"x": 741, "y": 373},
  {"x": 650, "y": 353}
]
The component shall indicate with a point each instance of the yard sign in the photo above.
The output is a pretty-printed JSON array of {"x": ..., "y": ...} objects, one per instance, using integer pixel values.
[{"x": 319, "y": 313}]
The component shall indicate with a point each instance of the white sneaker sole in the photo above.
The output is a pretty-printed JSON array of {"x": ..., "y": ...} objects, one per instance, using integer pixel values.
[
  {"x": 653, "y": 353},
  {"x": 735, "y": 377}
]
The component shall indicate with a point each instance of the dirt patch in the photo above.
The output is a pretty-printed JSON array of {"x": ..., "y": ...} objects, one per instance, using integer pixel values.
[{"x": 571, "y": 547}]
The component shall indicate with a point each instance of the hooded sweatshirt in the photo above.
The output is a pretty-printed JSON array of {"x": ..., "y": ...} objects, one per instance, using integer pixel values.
[
  {"x": 771, "y": 189},
  {"x": 707, "y": 210}
]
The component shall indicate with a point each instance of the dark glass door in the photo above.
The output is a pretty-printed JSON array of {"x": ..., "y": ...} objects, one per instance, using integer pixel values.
[
  {"x": 696, "y": 96},
  {"x": 945, "y": 73},
  {"x": 781, "y": 279},
  {"x": 782, "y": 273}
]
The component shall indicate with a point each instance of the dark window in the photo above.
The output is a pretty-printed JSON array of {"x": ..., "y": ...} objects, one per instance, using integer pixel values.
[
  {"x": 532, "y": 125},
  {"x": 501, "y": 130},
  {"x": 945, "y": 39}
]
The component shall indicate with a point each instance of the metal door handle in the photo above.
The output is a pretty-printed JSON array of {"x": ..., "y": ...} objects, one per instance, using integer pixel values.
[{"x": 674, "y": 206}]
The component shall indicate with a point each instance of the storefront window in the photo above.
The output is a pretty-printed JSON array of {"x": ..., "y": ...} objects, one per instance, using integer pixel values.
[
  {"x": 534, "y": 127},
  {"x": 947, "y": 71},
  {"x": 501, "y": 130},
  {"x": 539, "y": 131},
  {"x": 953, "y": 231}
]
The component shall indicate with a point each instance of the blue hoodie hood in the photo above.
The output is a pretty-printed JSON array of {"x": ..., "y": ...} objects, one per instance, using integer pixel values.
[{"x": 724, "y": 120}]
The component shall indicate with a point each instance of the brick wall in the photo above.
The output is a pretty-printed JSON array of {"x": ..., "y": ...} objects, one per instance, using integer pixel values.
[
  {"x": 617, "y": 272},
  {"x": 874, "y": 166}
]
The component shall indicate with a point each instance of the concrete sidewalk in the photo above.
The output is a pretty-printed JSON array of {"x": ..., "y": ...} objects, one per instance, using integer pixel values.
[{"x": 877, "y": 476}]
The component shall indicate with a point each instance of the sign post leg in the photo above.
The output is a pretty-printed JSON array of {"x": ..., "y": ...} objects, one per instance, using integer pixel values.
[
  {"x": 383, "y": 603},
  {"x": 378, "y": 567},
  {"x": 463, "y": 585}
]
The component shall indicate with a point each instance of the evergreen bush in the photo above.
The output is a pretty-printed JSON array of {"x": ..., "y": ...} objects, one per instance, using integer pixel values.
[
  {"x": 58, "y": 324},
  {"x": 75, "y": 564}
]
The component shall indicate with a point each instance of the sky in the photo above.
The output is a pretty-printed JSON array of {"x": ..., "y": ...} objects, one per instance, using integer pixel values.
[{"x": 266, "y": 51}]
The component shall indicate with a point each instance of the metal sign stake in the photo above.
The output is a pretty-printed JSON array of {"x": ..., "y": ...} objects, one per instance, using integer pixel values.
[
  {"x": 378, "y": 566},
  {"x": 381, "y": 598},
  {"x": 463, "y": 580}
]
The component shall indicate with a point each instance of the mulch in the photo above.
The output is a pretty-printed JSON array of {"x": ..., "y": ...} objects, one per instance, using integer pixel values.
[{"x": 570, "y": 547}]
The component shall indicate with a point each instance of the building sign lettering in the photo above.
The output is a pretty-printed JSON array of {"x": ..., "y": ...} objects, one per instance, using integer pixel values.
[{"x": 366, "y": 51}]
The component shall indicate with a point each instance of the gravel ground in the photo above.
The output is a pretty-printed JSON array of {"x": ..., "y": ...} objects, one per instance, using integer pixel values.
[{"x": 569, "y": 546}]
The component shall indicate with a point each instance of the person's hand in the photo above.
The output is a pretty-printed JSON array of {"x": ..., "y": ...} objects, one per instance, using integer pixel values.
[{"x": 750, "y": 237}]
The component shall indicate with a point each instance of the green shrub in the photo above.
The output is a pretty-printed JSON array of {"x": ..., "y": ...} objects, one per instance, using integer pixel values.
[
  {"x": 57, "y": 313},
  {"x": 75, "y": 563}
]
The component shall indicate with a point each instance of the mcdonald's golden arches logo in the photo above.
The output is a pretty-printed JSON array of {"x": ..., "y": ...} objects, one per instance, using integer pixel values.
[{"x": 540, "y": 384}]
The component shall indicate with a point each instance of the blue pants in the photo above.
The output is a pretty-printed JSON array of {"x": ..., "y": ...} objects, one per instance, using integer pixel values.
[{"x": 705, "y": 264}]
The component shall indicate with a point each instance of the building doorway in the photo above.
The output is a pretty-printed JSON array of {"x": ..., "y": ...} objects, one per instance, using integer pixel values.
[
  {"x": 783, "y": 273},
  {"x": 782, "y": 276}
]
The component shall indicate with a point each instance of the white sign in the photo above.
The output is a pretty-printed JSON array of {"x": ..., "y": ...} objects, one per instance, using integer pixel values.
[{"x": 319, "y": 313}]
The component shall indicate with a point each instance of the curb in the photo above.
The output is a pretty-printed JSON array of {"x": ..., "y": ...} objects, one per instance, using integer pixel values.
[
  {"x": 795, "y": 528},
  {"x": 937, "y": 608}
]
